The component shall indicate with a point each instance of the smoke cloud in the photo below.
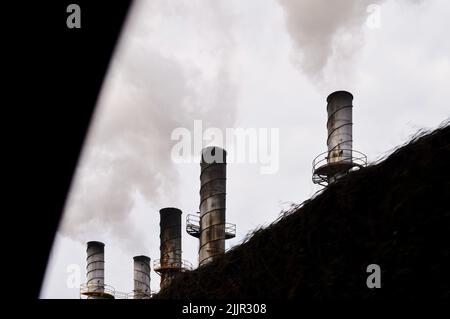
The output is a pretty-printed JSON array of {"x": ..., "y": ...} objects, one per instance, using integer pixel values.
[
  {"x": 156, "y": 82},
  {"x": 328, "y": 34}
]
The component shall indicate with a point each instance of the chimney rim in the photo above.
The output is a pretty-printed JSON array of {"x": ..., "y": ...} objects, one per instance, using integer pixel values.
[
  {"x": 214, "y": 146},
  {"x": 142, "y": 258},
  {"x": 95, "y": 243},
  {"x": 166, "y": 210},
  {"x": 340, "y": 92},
  {"x": 208, "y": 150}
]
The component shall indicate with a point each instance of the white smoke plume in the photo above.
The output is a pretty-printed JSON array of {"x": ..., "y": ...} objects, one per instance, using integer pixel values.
[
  {"x": 328, "y": 34},
  {"x": 156, "y": 82}
]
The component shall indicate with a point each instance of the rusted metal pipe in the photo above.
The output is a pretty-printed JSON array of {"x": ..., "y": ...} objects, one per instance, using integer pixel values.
[
  {"x": 212, "y": 204},
  {"x": 340, "y": 157},
  {"x": 95, "y": 268},
  {"x": 170, "y": 236},
  {"x": 339, "y": 125},
  {"x": 141, "y": 277}
]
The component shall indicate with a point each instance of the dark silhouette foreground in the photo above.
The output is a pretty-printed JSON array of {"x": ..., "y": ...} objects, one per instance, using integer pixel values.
[{"x": 395, "y": 213}]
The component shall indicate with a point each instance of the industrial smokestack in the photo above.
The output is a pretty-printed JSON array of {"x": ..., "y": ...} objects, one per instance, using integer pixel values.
[
  {"x": 170, "y": 261},
  {"x": 340, "y": 157},
  {"x": 141, "y": 277},
  {"x": 95, "y": 266},
  {"x": 170, "y": 237},
  {"x": 212, "y": 230},
  {"x": 95, "y": 287},
  {"x": 339, "y": 125}
]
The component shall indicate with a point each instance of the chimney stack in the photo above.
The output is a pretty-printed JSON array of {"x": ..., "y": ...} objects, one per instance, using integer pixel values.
[
  {"x": 213, "y": 229},
  {"x": 95, "y": 287},
  {"x": 170, "y": 261},
  {"x": 340, "y": 157},
  {"x": 141, "y": 277}
]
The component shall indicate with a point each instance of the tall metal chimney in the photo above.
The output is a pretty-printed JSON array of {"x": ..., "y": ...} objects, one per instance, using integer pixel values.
[
  {"x": 340, "y": 157},
  {"x": 141, "y": 277},
  {"x": 212, "y": 230},
  {"x": 170, "y": 261},
  {"x": 95, "y": 287}
]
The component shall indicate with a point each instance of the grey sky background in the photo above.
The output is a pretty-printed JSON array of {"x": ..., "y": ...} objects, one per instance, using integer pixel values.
[{"x": 248, "y": 64}]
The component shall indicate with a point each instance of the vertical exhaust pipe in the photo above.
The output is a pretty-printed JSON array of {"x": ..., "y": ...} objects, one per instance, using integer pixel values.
[
  {"x": 210, "y": 226},
  {"x": 95, "y": 287},
  {"x": 340, "y": 157},
  {"x": 141, "y": 277},
  {"x": 95, "y": 268},
  {"x": 170, "y": 261},
  {"x": 339, "y": 126},
  {"x": 170, "y": 249},
  {"x": 212, "y": 203}
]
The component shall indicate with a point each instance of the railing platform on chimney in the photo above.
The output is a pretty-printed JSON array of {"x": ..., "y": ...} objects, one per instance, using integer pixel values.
[
  {"x": 171, "y": 265},
  {"x": 108, "y": 292},
  {"x": 323, "y": 167},
  {"x": 140, "y": 295},
  {"x": 97, "y": 291},
  {"x": 193, "y": 227}
]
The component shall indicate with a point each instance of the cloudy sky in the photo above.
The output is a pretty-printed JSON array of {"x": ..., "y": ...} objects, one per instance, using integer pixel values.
[{"x": 256, "y": 64}]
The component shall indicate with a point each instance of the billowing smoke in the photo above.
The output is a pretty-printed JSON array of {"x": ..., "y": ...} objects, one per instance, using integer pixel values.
[
  {"x": 328, "y": 34},
  {"x": 156, "y": 82}
]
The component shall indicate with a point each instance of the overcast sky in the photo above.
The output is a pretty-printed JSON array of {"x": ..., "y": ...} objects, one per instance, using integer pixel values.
[{"x": 241, "y": 64}]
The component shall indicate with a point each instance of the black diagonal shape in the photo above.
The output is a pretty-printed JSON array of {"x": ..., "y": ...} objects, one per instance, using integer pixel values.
[{"x": 61, "y": 71}]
